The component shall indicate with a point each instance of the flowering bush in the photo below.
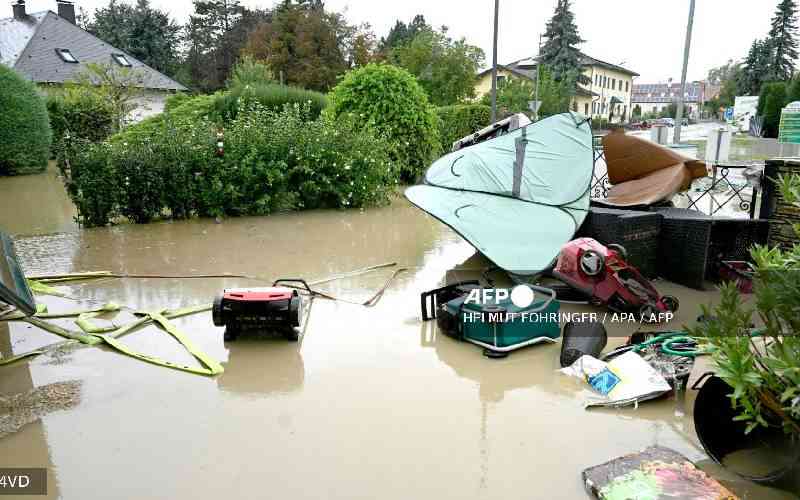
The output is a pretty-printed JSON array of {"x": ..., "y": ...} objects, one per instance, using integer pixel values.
[{"x": 272, "y": 161}]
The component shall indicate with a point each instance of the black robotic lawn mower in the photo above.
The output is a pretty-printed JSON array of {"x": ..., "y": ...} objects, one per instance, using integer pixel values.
[{"x": 277, "y": 308}]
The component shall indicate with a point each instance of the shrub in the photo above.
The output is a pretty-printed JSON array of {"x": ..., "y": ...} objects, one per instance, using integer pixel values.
[
  {"x": 81, "y": 112},
  {"x": 273, "y": 161},
  {"x": 91, "y": 180},
  {"x": 774, "y": 101},
  {"x": 390, "y": 100},
  {"x": 456, "y": 122},
  {"x": 175, "y": 100},
  {"x": 764, "y": 369},
  {"x": 185, "y": 115},
  {"x": 269, "y": 95},
  {"x": 25, "y": 133}
]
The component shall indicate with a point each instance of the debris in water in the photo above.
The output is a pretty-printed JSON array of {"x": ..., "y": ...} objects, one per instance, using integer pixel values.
[
  {"x": 21, "y": 409},
  {"x": 656, "y": 472}
]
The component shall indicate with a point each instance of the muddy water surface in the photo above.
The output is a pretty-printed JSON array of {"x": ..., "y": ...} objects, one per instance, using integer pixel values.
[{"x": 371, "y": 403}]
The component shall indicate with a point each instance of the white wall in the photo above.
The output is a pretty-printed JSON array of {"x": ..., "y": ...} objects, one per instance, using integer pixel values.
[{"x": 149, "y": 103}]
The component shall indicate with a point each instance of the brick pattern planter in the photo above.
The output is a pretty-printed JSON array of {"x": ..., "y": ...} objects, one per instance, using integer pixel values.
[
  {"x": 692, "y": 244},
  {"x": 782, "y": 215},
  {"x": 638, "y": 232}
]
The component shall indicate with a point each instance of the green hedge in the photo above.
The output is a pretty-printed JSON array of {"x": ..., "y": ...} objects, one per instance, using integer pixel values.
[
  {"x": 273, "y": 161},
  {"x": 460, "y": 120},
  {"x": 182, "y": 112},
  {"x": 270, "y": 95},
  {"x": 389, "y": 99},
  {"x": 775, "y": 98},
  {"x": 79, "y": 112},
  {"x": 25, "y": 133}
]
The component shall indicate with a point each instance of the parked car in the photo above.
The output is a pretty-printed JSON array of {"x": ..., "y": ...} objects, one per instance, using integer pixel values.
[{"x": 669, "y": 122}]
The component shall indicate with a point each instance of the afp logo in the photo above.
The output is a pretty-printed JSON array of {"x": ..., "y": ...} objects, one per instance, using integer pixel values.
[{"x": 521, "y": 296}]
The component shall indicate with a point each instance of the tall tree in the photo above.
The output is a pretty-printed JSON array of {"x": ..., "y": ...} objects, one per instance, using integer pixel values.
[
  {"x": 402, "y": 33},
  {"x": 782, "y": 41},
  {"x": 445, "y": 68},
  {"x": 142, "y": 31},
  {"x": 755, "y": 68},
  {"x": 216, "y": 34},
  {"x": 560, "y": 52},
  {"x": 305, "y": 43}
]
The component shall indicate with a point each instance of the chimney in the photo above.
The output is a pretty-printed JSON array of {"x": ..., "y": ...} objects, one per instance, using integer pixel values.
[
  {"x": 66, "y": 10},
  {"x": 19, "y": 9}
]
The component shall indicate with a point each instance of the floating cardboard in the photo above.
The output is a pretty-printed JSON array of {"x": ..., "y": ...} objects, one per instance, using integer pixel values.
[
  {"x": 654, "y": 473},
  {"x": 645, "y": 173}
]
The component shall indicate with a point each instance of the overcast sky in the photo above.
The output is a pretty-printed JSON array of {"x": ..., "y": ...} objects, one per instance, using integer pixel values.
[{"x": 647, "y": 36}]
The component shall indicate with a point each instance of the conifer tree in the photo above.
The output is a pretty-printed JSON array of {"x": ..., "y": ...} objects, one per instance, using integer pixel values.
[
  {"x": 782, "y": 41},
  {"x": 560, "y": 52}
]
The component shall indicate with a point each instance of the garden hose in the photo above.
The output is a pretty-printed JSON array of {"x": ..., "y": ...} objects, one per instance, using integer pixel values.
[{"x": 673, "y": 343}]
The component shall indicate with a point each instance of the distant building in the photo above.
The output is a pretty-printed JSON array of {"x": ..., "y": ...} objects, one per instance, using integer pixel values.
[
  {"x": 654, "y": 98},
  {"x": 49, "y": 49},
  {"x": 607, "y": 95}
]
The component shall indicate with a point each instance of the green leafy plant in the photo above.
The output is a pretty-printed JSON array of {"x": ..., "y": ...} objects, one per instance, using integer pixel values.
[
  {"x": 389, "y": 100},
  {"x": 25, "y": 133},
  {"x": 79, "y": 111},
  {"x": 460, "y": 120},
  {"x": 270, "y": 95},
  {"x": 762, "y": 367},
  {"x": 274, "y": 160}
]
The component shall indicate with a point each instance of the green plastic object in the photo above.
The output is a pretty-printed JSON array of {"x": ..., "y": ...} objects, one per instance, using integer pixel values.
[
  {"x": 14, "y": 289},
  {"x": 522, "y": 326},
  {"x": 789, "y": 131},
  {"x": 517, "y": 198}
]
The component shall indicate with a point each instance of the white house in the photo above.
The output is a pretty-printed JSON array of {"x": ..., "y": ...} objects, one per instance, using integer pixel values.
[{"x": 50, "y": 49}]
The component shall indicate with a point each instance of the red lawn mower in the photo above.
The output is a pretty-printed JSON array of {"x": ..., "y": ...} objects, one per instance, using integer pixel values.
[
  {"x": 602, "y": 274},
  {"x": 277, "y": 308}
]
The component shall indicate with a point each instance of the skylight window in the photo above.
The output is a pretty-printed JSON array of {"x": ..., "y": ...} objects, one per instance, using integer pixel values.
[
  {"x": 121, "y": 60},
  {"x": 66, "y": 56}
]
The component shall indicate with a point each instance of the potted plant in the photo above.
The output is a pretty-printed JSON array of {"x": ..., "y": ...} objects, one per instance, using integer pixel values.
[{"x": 762, "y": 366}]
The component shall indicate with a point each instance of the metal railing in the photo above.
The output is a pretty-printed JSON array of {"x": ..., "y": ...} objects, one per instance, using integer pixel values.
[{"x": 738, "y": 183}]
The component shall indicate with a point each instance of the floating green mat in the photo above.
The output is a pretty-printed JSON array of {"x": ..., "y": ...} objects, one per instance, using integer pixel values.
[
  {"x": 212, "y": 367},
  {"x": 98, "y": 335}
]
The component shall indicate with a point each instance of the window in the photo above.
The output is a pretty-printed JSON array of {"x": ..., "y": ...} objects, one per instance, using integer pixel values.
[
  {"x": 66, "y": 56},
  {"x": 594, "y": 107},
  {"x": 501, "y": 79},
  {"x": 626, "y": 86},
  {"x": 586, "y": 109},
  {"x": 613, "y": 84},
  {"x": 123, "y": 61}
]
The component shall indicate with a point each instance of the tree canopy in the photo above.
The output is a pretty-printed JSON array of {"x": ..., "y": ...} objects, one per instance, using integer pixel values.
[
  {"x": 146, "y": 33},
  {"x": 782, "y": 39},
  {"x": 560, "y": 51},
  {"x": 445, "y": 68},
  {"x": 305, "y": 43}
]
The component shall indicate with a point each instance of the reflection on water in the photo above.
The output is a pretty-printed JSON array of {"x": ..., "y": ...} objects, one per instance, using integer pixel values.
[
  {"x": 371, "y": 403},
  {"x": 35, "y": 204}
]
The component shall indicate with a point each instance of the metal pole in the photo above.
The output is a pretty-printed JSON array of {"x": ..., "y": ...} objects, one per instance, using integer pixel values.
[
  {"x": 538, "y": 76},
  {"x": 494, "y": 63},
  {"x": 687, "y": 46}
]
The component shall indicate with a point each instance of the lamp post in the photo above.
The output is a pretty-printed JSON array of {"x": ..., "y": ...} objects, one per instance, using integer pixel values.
[
  {"x": 494, "y": 63},
  {"x": 687, "y": 46}
]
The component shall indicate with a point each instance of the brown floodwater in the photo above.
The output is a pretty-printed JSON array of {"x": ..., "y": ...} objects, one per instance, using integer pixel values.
[{"x": 371, "y": 403}]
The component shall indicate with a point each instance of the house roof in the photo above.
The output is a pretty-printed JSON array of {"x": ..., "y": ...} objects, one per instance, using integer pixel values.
[
  {"x": 29, "y": 46},
  {"x": 530, "y": 62},
  {"x": 666, "y": 92},
  {"x": 530, "y": 74}
]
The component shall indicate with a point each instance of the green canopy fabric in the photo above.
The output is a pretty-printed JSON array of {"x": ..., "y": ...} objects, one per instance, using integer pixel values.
[{"x": 517, "y": 198}]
